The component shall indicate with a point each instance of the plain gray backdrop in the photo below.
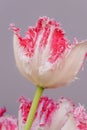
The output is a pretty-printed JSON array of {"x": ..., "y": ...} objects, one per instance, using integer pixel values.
[{"x": 72, "y": 14}]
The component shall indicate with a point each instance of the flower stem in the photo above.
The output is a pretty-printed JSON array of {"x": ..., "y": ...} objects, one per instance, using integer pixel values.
[{"x": 34, "y": 106}]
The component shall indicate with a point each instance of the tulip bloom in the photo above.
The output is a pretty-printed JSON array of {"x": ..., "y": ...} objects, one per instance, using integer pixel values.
[
  {"x": 50, "y": 115},
  {"x": 63, "y": 115},
  {"x": 45, "y": 57}
]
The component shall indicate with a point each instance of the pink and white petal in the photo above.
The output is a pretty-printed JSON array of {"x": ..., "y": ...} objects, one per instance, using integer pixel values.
[
  {"x": 43, "y": 116},
  {"x": 61, "y": 115},
  {"x": 21, "y": 60},
  {"x": 69, "y": 66}
]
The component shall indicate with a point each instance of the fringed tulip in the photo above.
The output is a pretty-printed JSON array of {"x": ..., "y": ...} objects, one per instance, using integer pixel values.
[
  {"x": 45, "y": 57},
  {"x": 63, "y": 115}
]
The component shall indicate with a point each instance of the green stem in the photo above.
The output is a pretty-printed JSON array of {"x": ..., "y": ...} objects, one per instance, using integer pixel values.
[{"x": 33, "y": 109}]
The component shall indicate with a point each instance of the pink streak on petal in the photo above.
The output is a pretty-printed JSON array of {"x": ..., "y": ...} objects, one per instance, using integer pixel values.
[
  {"x": 43, "y": 114},
  {"x": 58, "y": 43}
]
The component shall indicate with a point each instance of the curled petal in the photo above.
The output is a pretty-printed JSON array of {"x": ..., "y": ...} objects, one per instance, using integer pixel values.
[{"x": 70, "y": 65}]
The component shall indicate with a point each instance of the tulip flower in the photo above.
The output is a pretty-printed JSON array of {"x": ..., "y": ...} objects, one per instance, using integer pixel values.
[
  {"x": 7, "y": 122},
  {"x": 46, "y": 58},
  {"x": 63, "y": 115},
  {"x": 50, "y": 115}
]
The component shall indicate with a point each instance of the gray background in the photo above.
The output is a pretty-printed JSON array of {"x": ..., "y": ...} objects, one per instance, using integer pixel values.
[{"x": 72, "y": 14}]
